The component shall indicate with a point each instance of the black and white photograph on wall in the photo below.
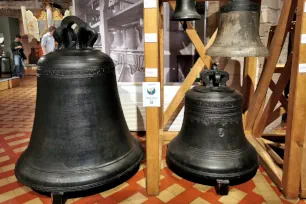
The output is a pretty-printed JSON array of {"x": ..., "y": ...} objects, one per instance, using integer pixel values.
[{"x": 120, "y": 27}]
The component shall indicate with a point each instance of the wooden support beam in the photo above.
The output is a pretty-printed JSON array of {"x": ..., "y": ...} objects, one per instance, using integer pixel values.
[
  {"x": 275, "y": 115},
  {"x": 161, "y": 77},
  {"x": 174, "y": 115},
  {"x": 278, "y": 160},
  {"x": 249, "y": 81},
  {"x": 275, "y": 133},
  {"x": 151, "y": 51},
  {"x": 274, "y": 144},
  {"x": 196, "y": 41},
  {"x": 275, "y": 50},
  {"x": 282, "y": 98},
  {"x": 257, "y": 121},
  {"x": 179, "y": 96},
  {"x": 280, "y": 86},
  {"x": 296, "y": 121},
  {"x": 168, "y": 136},
  {"x": 272, "y": 169},
  {"x": 303, "y": 172}
]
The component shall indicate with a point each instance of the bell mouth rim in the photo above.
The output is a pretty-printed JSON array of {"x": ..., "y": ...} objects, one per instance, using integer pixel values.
[
  {"x": 85, "y": 170},
  {"x": 238, "y": 53},
  {"x": 71, "y": 189},
  {"x": 73, "y": 186},
  {"x": 192, "y": 17},
  {"x": 205, "y": 178},
  {"x": 185, "y": 19}
]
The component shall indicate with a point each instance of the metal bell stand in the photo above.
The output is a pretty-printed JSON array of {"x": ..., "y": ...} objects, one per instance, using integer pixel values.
[{"x": 292, "y": 178}]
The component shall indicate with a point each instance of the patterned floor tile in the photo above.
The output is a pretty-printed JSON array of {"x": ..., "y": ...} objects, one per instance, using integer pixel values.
[{"x": 199, "y": 201}]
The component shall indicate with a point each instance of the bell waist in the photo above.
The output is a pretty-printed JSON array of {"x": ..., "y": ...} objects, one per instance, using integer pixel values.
[{"x": 211, "y": 155}]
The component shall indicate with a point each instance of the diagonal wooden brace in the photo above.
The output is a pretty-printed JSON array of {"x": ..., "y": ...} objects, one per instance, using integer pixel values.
[
  {"x": 281, "y": 84},
  {"x": 204, "y": 60},
  {"x": 275, "y": 50},
  {"x": 179, "y": 96}
]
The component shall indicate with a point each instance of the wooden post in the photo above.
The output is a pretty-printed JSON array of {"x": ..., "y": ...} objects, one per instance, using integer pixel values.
[
  {"x": 151, "y": 51},
  {"x": 280, "y": 86},
  {"x": 275, "y": 50},
  {"x": 161, "y": 76},
  {"x": 197, "y": 68},
  {"x": 303, "y": 172},
  {"x": 249, "y": 80},
  {"x": 104, "y": 26},
  {"x": 296, "y": 111}
]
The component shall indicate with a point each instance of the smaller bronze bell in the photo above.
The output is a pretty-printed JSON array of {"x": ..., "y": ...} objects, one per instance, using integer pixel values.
[
  {"x": 185, "y": 10},
  {"x": 211, "y": 147},
  {"x": 238, "y": 32}
]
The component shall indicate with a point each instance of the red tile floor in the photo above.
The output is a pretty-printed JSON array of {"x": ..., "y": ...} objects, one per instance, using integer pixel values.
[{"x": 16, "y": 118}]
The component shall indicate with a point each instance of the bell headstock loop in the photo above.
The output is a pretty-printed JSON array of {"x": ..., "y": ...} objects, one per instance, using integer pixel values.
[
  {"x": 79, "y": 36},
  {"x": 214, "y": 77}
]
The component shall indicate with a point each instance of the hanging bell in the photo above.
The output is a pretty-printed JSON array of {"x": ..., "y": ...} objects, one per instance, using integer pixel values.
[
  {"x": 118, "y": 40},
  {"x": 141, "y": 44},
  {"x": 185, "y": 10},
  {"x": 123, "y": 45},
  {"x": 211, "y": 147},
  {"x": 238, "y": 32},
  {"x": 132, "y": 38},
  {"x": 111, "y": 37},
  {"x": 80, "y": 139}
]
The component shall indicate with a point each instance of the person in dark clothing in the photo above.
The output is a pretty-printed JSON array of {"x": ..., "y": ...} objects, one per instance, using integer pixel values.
[{"x": 19, "y": 56}]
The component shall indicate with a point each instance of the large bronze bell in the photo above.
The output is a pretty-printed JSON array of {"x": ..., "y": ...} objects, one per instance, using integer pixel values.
[
  {"x": 238, "y": 32},
  {"x": 211, "y": 147},
  {"x": 185, "y": 10},
  {"x": 80, "y": 138}
]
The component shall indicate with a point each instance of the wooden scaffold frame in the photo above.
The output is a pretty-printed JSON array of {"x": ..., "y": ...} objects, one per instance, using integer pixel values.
[{"x": 291, "y": 179}]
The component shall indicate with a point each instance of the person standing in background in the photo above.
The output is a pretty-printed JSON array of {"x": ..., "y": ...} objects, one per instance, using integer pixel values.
[
  {"x": 18, "y": 55},
  {"x": 47, "y": 41}
]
